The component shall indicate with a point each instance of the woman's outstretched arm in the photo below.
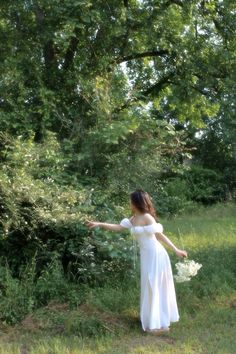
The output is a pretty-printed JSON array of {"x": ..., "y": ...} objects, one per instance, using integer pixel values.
[
  {"x": 161, "y": 237},
  {"x": 104, "y": 225}
]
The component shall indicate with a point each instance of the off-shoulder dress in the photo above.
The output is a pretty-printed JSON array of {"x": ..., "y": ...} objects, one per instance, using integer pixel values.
[{"x": 158, "y": 304}]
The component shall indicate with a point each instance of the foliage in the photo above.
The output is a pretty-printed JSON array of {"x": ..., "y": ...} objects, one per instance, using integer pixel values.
[
  {"x": 205, "y": 185},
  {"x": 97, "y": 72},
  {"x": 123, "y": 88},
  {"x": 216, "y": 151},
  {"x": 22, "y": 295}
]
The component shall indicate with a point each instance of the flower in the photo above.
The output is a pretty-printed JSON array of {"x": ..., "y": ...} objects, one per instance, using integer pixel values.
[{"x": 186, "y": 270}]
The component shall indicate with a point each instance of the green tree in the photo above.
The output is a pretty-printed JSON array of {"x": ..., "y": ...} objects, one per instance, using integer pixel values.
[{"x": 89, "y": 70}]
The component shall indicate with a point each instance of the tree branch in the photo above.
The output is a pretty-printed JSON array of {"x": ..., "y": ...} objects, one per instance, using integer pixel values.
[
  {"x": 176, "y": 2},
  {"x": 39, "y": 15},
  {"x": 158, "y": 86},
  {"x": 218, "y": 75},
  {"x": 48, "y": 48},
  {"x": 71, "y": 50},
  {"x": 153, "y": 53},
  {"x": 49, "y": 54},
  {"x": 154, "y": 90}
]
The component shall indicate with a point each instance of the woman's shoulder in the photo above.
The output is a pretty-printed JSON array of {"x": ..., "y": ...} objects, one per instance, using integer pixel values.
[
  {"x": 147, "y": 217},
  {"x": 126, "y": 222}
]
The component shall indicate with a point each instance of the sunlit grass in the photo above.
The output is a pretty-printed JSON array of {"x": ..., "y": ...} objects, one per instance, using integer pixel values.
[{"x": 212, "y": 226}]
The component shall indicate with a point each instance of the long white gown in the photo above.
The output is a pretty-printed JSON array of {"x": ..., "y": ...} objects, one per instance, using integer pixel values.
[{"x": 158, "y": 305}]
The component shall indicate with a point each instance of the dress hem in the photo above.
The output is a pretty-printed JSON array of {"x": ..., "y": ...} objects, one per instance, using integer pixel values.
[{"x": 147, "y": 328}]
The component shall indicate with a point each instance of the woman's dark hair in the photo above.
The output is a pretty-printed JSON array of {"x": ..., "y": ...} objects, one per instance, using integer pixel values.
[{"x": 142, "y": 201}]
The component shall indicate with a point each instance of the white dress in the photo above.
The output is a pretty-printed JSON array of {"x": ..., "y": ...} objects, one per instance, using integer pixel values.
[{"x": 158, "y": 305}]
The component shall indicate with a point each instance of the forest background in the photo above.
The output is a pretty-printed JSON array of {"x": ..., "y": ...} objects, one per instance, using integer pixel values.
[{"x": 99, "y": 98}]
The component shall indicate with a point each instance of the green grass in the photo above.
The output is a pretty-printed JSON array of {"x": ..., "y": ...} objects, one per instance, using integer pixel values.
[{"x": 107, "y": 320}]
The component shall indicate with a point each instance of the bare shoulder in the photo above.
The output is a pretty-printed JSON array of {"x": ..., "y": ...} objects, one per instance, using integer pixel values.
[{"x": 148, "y": 218}]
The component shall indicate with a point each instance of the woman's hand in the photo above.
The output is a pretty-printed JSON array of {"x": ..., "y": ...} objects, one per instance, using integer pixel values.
[
  {"x": 92, "y": 224},
  {"x": 104, "y": 225},
  {"x": 181, "y": 253}
]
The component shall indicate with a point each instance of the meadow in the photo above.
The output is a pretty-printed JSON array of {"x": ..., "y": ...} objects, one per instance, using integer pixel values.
[{"x": 105, "y": 319}]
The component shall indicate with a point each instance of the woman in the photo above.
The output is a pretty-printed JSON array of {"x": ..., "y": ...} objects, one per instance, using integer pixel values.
[{"x": 158, "y": 305}]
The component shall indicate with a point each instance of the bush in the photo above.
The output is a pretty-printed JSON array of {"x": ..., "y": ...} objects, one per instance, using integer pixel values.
[
  {"x": 173, "y": 197},
  {"x": 43, "y": 210},
  {"x": 20, "y": 296},
  {"x": 205, "y": 185},
  {"x": 17, "y": 295}
]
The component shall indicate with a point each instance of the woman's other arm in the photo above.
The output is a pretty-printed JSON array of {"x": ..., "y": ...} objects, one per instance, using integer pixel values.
[{"x": 161, "y": 237}]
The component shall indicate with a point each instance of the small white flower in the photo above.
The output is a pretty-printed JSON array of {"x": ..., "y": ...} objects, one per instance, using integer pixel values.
[{"x": 186, "y": 270}]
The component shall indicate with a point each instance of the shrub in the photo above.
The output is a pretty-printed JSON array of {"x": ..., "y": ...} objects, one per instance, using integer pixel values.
[{"x": 205, "y": 185}]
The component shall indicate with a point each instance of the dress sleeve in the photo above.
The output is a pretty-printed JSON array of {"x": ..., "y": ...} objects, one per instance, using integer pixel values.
[
  {"x": 155, "y": 227},
  {"x": 126, "y": 223}
]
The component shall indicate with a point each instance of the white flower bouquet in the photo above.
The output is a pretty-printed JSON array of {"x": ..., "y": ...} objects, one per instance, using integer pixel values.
[{"x": 186, "y": 269}]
